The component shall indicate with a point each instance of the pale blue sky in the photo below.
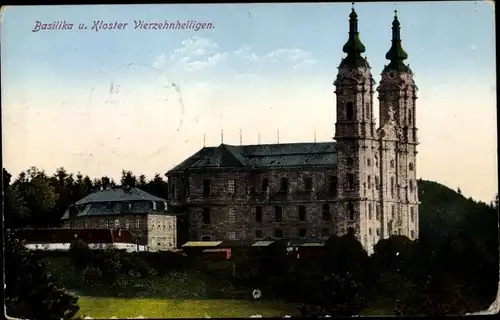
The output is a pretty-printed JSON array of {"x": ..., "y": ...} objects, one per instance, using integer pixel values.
[{"x": 262, "y": 68}]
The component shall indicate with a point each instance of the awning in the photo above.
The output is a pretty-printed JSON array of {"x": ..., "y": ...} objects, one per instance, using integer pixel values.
[
  {"x": 262, "y": 243},
  {"x": 201, "y": 244}
]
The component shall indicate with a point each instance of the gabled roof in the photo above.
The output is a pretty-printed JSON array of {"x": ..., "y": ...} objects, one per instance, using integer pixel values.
[
  {"x": 118, "y": 194},
  {"x": 262, "y": 156}
]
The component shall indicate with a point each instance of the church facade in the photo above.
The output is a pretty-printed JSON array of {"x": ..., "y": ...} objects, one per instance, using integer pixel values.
[{"x": 364, "y": 182}]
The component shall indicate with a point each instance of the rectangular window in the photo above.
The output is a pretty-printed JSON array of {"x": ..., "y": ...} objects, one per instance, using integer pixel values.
[
  {"x": 86, "y": 224},
  {"x": 283, "y": 185},
  {"x": 308, "y": 184},
  {"x": 350, "y": 211},
  {"x": 206, "y": 215},
  {"x": 206, "y": 187},
  {"x": 302, "y": 213},
  {"x": 302, "y": 232},
  {"x": 350, "y": 181},
  {"x": 231, "y": 215},
  {"x": 77, "y": 224},
  {"x": 137, "y": 223},
  {"x": 106, "y": 224},
  {"x": 392, "y": 186},
  {"x": 325, "y": 210},
  {"x": 258, "y": 234},
  {"x": 231, "y": 235},
  {"x": 278, "y": 214},
  {"x": 278, "y": 233},
  {"x": 127, "y": 225},
  {"x": 332, "y": 185},
  {"x": 325, "y": 232},
  {"x": 231, "y": 186},
  {"x": 117, "y": 223},
  {"x": 265, "y": 185},
  {"x": 258, "y": 214},
  {"x": 349, "y": 111},
  {"x": 186, "y": 188}
]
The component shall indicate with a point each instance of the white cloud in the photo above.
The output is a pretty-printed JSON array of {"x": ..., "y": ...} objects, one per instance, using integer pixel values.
[
  {"x": 298, "y": 57},
  {"x": 199, "y": 65},
  {"x": 195, "y": 54}
]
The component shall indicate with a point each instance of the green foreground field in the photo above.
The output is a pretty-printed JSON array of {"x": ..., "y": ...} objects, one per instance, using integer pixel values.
[{"x": 106, "y": 307}]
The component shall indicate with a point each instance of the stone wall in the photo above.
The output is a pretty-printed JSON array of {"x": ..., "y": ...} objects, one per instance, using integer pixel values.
[
  {"x": 162, "y": 232},
  {"x": 248, "y": 195}
]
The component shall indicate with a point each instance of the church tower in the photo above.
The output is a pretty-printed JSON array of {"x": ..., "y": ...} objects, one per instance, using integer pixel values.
[
  {"x": 356, "y": 141},
  {"x": 398, "y": 203}
]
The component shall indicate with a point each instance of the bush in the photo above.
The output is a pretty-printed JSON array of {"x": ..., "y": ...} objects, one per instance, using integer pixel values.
[
  {"x": 80, "y": 253},
  {"x": 30, "y": 292},
  {"x": 92, "y": 274},
  {"x": 109, "y": 263}
]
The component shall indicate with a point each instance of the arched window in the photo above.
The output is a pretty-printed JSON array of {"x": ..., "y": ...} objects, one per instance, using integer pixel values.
[
  {"x": 369, "y": 182},
  {"x": 412, "y": 214},
  {"x": 370, "y": 231},
  {"x": 393, "y": 211},
  {"x": 349, "y": 111},
  {"x": 411, "y": 186},
  {"x": 392, "y": 163},
  {"x": 350, "y": 230},
  {"x": 410, "y": 115},
  {"x": 369, "y": 211},
  {"x": 410, "y": 166},
  {"x": 206, "y": 238},
  {"x": 368, "y": 162},
  {"x": 412, "y": 233}
]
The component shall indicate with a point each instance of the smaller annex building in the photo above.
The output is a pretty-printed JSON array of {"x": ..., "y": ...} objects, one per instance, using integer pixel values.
[{"x": 146, "y": 216}]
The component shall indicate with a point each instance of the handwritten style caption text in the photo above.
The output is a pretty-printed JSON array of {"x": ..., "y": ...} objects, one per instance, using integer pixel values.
[{"x": 101, "y": 25}]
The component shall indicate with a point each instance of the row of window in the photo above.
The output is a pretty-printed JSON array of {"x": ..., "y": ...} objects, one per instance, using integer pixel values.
[
  {"x": 277, "y": 233},
  {"x": 302, "y": 213},
  {"x": 107, "y": 224},
  {"x": 231, "y": 185},
  {"x": 350, "y": 163},
  {"x": 162, "y": 241},
  {"x": 332, "y": 185},
  {"x": 278, "y": 214},
  {"x": 349, "y": 112}
]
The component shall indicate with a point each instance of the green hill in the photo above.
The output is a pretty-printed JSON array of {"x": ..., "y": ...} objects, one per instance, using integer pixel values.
[{"x": 445, "y": 212}]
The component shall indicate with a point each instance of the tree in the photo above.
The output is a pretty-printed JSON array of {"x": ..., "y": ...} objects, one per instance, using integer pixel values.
[
  {"x": 40, "y": 196},
  {"x": 158, "y": 187},
  {"x": 128, "y": 179},
  {"x": 30, "y": 292},
  {"x": 142, "y": 181},
  {"x": 459, "y": 191},
  {"x": 16, "y": 212}
]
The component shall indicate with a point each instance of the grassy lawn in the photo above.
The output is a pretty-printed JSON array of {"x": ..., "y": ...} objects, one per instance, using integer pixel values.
[{"x": 106, "y": 307}]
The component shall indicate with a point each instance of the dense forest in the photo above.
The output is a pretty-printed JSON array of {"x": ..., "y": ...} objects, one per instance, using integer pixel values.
[{"x": 451, "y": 269}]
